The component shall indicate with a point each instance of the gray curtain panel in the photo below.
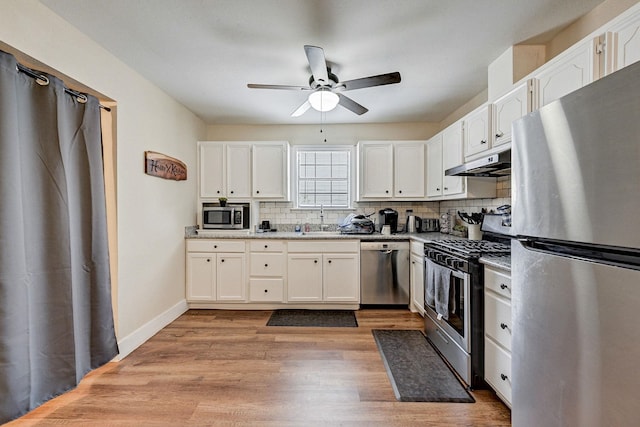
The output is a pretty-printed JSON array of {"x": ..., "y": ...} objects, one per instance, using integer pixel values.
[{"x": 56, "y": 321}]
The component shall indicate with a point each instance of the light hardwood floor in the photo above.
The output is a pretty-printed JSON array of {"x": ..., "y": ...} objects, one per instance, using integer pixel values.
[{"x": 213, "y": 367}]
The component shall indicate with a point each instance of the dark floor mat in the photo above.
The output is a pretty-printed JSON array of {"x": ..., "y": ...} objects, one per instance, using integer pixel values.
[
  {"x": 416, "y": 371},
  {"x": 313, "y": 318}
]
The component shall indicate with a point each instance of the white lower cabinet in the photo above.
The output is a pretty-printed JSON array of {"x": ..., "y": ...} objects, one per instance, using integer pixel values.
[
  {"x": 416, "y": 277},
  {"x": 267, "y": 269},
  {"x": 497, "y": 329},
  {"x": 323, "y": 271},
  {"x": 216, "y": 271}
]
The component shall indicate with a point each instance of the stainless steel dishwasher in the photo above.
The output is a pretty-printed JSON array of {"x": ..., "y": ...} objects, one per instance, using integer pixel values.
[{"x": 384, "y": 273}]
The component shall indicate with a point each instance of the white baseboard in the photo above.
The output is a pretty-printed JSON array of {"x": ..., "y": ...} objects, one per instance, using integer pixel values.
[{"x": 138, "y": 337}]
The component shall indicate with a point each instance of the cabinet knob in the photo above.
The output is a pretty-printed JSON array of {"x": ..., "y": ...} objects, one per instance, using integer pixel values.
[
  {"x": 266, "y": 246},
  {"x": 387, "y": 191},
  {"x": 503, "y": 325},
  {"x": 222, "y": 260},
  {"x": 329, "y": 261},
  {"x": 208, "y": 259},
  {"x": 400, "y": 191},
  {"x": 504, "y": 377},
  {"x": 437, "y": 189},
  {"x": 315, "y": 261},
  {"x": 499, "y": 134},
  {"x": 483, "y": 141},
  {"x": 231, "y": 191},
  {"x": 257, "y": 191},
  {"x": 218, "y": 191},
  {"x": 446, "y": 188},
  {"x": 266, "y": 265},
  {"x": 266, "y": 290},
  {"x": 503, "y": 286},
  {"x": 215, "y": 246}
]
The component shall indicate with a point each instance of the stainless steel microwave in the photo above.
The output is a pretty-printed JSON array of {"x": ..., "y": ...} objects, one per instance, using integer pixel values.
[{"x": 230, "y": 217}]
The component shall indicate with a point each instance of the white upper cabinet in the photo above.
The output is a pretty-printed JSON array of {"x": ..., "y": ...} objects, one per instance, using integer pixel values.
[
  {"x": 211, "y": 165},
  {"x": 434, "y": 166},
  {"x": 451, "y": 157},
  {"x": 478, "y": 136},
  {"x": 238, "y": 170},
  {"x": 409, "y": 167},
  {"x": 376, "y": 170},
  {"x": 391, "y": 170},
  {"x": 510, "y": 107},
  {"x": 624, "y": 40},
  {"x": 566, "y": 73},
  {"x": 270, "y": 170}
]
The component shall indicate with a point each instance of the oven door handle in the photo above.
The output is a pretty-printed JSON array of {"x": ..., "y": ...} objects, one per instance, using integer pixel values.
[{"x": 459, "y": 274}]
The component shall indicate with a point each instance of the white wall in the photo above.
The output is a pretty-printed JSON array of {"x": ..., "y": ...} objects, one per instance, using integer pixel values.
[{"x": 152, "y": 212}]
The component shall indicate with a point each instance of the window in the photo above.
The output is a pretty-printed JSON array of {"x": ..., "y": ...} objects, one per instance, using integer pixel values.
[{"x": 322, "y": 176}]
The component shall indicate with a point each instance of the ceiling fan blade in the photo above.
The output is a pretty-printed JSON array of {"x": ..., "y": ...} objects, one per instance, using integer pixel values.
[
  {"x": 283, "y": 87},
  {"x": 380, "y": 80},
  {"x": 301, "y": 109},
  {"x": 350, "y": 104},
  {"x": 318, "y": 64}
]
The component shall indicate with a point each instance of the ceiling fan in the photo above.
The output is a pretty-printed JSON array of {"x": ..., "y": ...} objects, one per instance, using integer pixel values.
[{"x": 325, "y": 87}]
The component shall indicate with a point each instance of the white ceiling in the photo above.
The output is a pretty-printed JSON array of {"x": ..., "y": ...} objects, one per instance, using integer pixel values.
[{"x": 204, "y": 52}]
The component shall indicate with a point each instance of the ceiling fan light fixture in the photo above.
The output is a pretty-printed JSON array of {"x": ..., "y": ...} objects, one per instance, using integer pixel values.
[{"x": 323, "y": 100}]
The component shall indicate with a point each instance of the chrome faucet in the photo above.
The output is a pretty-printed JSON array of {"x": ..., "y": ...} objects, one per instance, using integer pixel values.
[{"x": 322, "y": 225}]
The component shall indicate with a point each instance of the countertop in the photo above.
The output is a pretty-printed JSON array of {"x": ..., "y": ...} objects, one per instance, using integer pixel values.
[
  {"x": 328, "y": 235},
  {"x": 502, "y": 261}
]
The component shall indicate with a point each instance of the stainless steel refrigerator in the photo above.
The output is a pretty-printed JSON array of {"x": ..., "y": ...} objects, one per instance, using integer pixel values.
[{"x": 576, "y": 263}]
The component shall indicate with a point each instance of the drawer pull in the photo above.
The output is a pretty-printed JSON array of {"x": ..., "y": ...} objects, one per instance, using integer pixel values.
[
  {"x": 266, "y": 246},
  {"x": 503, "y": 286},
  {"x": 215, "y": 246},
  {"x": 446, "y": 341},
  {"x": 504, "y": 377},
  {"x": 504, "y": 326}
]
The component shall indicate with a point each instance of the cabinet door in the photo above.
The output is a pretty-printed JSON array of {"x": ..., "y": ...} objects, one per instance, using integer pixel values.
[
  {"x": 212, "y": 166},
  {"x": 271, "y": 171},
  {"x": 508, "y": 108},
  {"x": 376, "y": 170},
  {"x": 230, "y": 282},
  {"x": 434, "y": 166},
  {"x": 452, "y": 156},
  {"x": 201, "y": 272},
  {"x": 409, "y": 163},
  {"x": 417, "y": 282},
  {"x": 572, "y": 71},
  {"x": 304, "y": 277},
  {"x": 627, "y": 42},
  {"x": 477, "y": 131},
  {"x": 341, "y": 277},
  {"x": 238, "y": 170}
]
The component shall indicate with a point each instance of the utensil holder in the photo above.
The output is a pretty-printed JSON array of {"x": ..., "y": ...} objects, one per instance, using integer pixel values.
[{"x": 474, "y": 232}]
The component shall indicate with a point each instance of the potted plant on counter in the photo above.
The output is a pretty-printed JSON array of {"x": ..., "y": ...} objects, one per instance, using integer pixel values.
[{"x": 223, "y": 201}]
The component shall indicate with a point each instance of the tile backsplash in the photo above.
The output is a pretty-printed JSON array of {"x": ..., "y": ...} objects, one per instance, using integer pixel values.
[{"x": 284, "y": 216}]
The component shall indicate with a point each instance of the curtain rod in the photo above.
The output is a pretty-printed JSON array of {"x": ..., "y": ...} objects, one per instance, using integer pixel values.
[{"x": 44, "y": 81}]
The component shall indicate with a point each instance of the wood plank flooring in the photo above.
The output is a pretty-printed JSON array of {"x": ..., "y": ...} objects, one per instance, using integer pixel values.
[{"x": 214, "y": 367}]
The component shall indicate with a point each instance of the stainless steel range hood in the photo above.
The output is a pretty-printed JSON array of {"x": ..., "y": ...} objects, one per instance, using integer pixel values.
[{"x": 494, "y": 165}]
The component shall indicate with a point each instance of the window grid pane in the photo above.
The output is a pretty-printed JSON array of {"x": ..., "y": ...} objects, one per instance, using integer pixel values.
[{"x": 323, "y": 178}]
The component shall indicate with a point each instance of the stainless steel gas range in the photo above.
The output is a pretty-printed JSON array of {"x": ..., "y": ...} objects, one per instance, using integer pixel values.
[{"x": 454, "y": 303}]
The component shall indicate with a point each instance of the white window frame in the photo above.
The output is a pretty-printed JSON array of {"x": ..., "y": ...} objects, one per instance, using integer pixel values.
[{"x": 350, "y": 149}]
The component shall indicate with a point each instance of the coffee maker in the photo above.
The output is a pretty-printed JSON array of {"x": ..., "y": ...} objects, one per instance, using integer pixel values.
[{"x": 388, "y": 216}]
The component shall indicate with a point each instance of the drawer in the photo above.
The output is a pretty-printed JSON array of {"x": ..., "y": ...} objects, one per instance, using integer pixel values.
[
  {"x": 498, "y": 281},
  {"x": 266, "y": 290},
  {"x": 497, "y": 319},
  {"x": 417, "y": 248},
  {"x": 202, "y": 245},
  {"x": 497, "y": 369},
  {"x": 267, "y": 264},
  {"x": 325, "y": 246},
  {"x": 259, "y": 245}
]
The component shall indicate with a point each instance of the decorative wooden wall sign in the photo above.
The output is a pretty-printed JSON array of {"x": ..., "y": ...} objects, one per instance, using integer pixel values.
[{"x": 156, "y": 164}]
